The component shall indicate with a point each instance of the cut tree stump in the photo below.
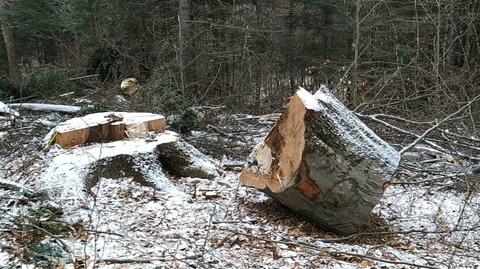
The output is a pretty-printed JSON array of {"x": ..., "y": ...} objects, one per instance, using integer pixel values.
[
  {"x": 106, "y": 127},
  {"x": 321, "y": 161}
]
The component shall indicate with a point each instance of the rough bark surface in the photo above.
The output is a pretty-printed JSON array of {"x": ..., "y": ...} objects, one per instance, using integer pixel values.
[
  {"x": 10, "y": 47},
  {"x": 321, "y": 161},
  {"x": 183, "y": 160}
]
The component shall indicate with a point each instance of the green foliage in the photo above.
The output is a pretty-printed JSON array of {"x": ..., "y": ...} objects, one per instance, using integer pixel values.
[
  {"x": 106, "y": 62},
  {"x": 185, "y": 122},
  {"x": 7, "y": 89},
  {"x": 46, "y": 254},
  {"x": 166, "y": 95},
  {"x": 48, "y": 81}
]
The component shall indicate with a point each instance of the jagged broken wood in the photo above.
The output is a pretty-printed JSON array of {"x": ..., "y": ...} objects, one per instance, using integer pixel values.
[
  {"x": 321, "y": 161},
  {"x": 106, "y": 127}
]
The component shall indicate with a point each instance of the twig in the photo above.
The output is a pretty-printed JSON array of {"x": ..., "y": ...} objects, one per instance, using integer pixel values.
[
  {"x": 13, "y": 185},
  {"x": 421, "y": 137},
  {"x": 329, "y": 252},
  {"x": 60, "y": 241},
  {"x": 133, "y": 260},
  {"x": 83, "y": 77},
  {"x": 227, "y": 135}
]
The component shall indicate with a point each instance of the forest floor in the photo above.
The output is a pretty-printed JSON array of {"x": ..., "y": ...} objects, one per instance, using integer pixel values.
[{"x": 429, "y": 216}]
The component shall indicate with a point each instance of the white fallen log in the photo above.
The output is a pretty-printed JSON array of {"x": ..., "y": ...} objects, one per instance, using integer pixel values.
[
  {"x": 321, "y": 161},
  {"x": 46, "y": 107}
]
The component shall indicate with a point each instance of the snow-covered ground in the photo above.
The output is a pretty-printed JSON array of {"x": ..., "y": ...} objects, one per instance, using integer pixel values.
[{"x": 201, "y": 223}]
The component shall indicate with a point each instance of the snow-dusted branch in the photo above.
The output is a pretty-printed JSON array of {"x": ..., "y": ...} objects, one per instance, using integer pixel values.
[
  {"x": 421, "y": 137},
  {"x": 46, "y": 107}
]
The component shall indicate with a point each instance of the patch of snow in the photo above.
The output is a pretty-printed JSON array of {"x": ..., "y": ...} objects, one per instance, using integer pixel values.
[
  {"x": 7, "y": 110},
  {"x": 103, "y": 118},
  {"x": 362, "y": 140},
  {"x": 65, "y": 170},
  {"x": 308, "y": 99},
  {"x": 4, "y": 257},
  {"x": 198, "y": 159},
  {"x": 120, "y": 99}
]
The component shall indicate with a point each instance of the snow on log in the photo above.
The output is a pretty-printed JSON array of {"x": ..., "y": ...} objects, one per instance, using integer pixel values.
[
  {"x": 321, "y": 161},
  {"x": 106, "y": 127},
  {"x": 4, "y": 109},
  {"x": 7, "y": 116},
  {"x": 46, "y": 107},
  {"x": 184, "y": 160},
  {"x": 70, "y": 175}
]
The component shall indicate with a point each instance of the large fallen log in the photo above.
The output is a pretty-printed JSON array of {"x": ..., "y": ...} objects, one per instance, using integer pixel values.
[
  {"x": 106, "y": 127},
  {"x": 46, "y": 107},
  {"x": 321, "y": 161}
]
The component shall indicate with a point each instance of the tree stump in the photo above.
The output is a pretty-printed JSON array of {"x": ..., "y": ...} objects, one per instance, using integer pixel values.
[
  {"x": 106, "y": 127},
  {"x": 321, "y": 161}
]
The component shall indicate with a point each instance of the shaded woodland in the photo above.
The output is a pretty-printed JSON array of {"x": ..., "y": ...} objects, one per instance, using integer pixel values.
[
  {"x": 419, "y": 56},
  {"x": 239, "y": 134}
]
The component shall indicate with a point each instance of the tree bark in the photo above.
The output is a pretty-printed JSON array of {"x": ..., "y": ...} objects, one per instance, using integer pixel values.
[
  {"x": 183, "y": 34},
  {"x": 321, "y": 161},
  {"x": 10, "y": 48}
]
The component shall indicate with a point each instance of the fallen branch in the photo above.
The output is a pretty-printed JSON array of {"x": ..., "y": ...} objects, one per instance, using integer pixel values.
[
  {"x": 224, "y": 134},
  {"x": 151, "y": 260},
  {"x": 12, "y": 186},
  {"x": 84, "y": 77},
  {"x": 46, "y": 107},
  {"x": 403, "y": 131},
  {"x": 330, "y": 252},
  {"x": 421, "y": 137}
]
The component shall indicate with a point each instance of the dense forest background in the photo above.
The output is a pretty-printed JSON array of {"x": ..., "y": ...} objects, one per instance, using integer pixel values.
[{"x": 409, "y": 56}]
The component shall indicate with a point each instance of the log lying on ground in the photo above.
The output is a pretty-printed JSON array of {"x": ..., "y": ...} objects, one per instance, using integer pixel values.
[
  {"x": 106, "y": 127},
  {"x": 46, "y": 107},
  {"x": 321, "y": 161}
]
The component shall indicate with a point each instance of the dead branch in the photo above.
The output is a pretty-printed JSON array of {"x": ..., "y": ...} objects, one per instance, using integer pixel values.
[
  {"x": 46, "y": 107},
  {"x": 331, "y": 253},
  {"x": 421, "y": 137}
]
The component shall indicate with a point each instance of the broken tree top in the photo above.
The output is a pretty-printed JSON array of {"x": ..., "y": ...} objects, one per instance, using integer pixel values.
[
  {"x": 323, "y": 162},
  {"x": 106, "y": 127}
]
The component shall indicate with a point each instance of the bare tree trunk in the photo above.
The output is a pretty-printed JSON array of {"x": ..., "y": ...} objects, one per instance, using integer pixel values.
[
  {"x": 183, "y": 34},
  {"x": 436, "y": 61},
  {"x": 10, "y": 48},
  {"x": 356, "y": 52}
]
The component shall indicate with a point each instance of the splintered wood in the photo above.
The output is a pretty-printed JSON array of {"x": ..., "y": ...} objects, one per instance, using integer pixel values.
[
  {"x": 323, "y": 162},
  {"x": 106, "y": 127}
]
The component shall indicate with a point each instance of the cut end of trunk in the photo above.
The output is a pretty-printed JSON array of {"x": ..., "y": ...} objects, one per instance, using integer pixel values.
[{"x": 275, "y": 162}]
